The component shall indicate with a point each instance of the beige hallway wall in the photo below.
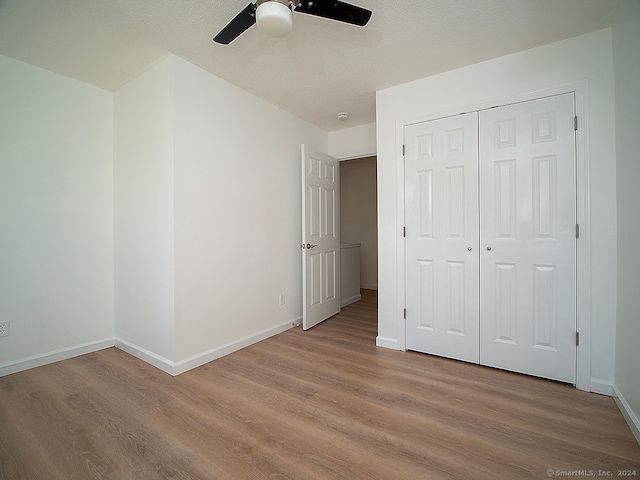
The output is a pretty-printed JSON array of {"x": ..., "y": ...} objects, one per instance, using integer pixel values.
[{"x": 358, "y": 210}]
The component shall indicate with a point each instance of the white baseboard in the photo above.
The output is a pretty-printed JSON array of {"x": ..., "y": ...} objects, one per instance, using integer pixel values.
[
  {"x": 176, "y": 368},
  {"x": 164, "y": 364},
  {"x": 350, "y": 300},
  {"x": 386, "y": 342},
  {"x": 369, "y": 286},
  {"x": 218, "y": 352},
  {"x": 54, "y": 356},
  {"x": 145, "y": 355},
  {"x": 603, "y": 387},
  {"x": 629, "y": 415}
]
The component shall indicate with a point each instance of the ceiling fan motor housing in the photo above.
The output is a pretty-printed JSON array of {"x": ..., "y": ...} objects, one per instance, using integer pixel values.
[{"x": 274, "y": 17}]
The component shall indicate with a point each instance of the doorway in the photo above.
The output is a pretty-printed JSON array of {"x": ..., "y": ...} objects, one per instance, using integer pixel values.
[{"x": 359, "y": 216}]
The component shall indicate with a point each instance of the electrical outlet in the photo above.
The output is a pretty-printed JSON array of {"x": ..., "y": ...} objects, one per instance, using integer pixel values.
[
  {"x": 281, "y": 299},
  {"x": 4, "y": 329}
]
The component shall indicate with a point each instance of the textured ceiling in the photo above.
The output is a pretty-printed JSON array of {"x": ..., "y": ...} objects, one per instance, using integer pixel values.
[{"x": 321, "y": 68}]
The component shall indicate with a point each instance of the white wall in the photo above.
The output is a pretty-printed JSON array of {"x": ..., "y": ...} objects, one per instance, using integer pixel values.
[
  {"x": 237, "y": 214},
  {"x": 359, "y": 215},
  {"x": 354, "y": 142},
  {"x": 208, "y": 216},
  {"x": 203, "y": 181},
  {"x": 56, "y": 216},
  {"x": 586, "y": 58},
  {"x": 143, "y": 186},
  {"x": 626, "y": 39}
]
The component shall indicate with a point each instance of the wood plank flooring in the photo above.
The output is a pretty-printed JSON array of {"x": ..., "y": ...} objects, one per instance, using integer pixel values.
[{"x": 321, "y": 404}]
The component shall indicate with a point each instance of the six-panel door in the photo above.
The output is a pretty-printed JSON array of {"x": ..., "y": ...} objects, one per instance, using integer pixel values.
[
  {"x": 441, "y": 211},
  {"x": 528, "y": 238},
  {"x": 321, "y": 237},
  {"x": 490, "y": 241}
]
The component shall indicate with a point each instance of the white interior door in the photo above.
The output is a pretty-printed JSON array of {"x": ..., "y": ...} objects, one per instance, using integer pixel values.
[
  {"x": 441, "y": 210},
  {"x": 320, "y": 237},
  {"x": 528, "y": 238},
  {"x": 491, "y": 271}
]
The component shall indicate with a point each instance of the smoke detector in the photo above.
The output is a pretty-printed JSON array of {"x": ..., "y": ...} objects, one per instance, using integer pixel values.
[{"x": 343, "y": 116}]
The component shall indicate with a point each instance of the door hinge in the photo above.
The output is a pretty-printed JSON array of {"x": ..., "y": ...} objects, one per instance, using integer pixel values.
[
  {"x": 577, "y": 230},
  {"x": 404, "y": 232},
  {"x": 577, "y": 338},
  {"x": 403, "y": 150},
  {"x": 404, "y": 314},
  {"x": 575, "y": 123}
]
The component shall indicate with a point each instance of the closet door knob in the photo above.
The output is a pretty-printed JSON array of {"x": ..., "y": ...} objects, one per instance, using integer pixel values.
[
  {"x": 489, "y": 248},
  {"x": 469, "y": 248}
]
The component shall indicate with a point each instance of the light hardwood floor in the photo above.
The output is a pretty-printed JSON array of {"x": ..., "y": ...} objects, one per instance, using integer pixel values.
[{"x": 320, "y": 404}]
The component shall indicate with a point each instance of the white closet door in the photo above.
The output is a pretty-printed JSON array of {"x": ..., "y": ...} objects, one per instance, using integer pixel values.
[
  {"x": 441, "y": 208},
  {"x": 528, "y": 241}
]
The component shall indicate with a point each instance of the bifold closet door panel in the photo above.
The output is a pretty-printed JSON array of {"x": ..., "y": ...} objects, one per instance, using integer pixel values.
[
  {"x": 527, "y": 237},
  {"x": 441, "y": 218}
]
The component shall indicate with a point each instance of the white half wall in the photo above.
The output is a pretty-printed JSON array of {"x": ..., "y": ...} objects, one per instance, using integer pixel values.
[
  {"x": 237, "y": 214},
  {"x": 143, "y": 186},
  {"x": 587, "y": 60},
  {"x": 56, "y": 216},
  {"x": 626, "y": 39}
]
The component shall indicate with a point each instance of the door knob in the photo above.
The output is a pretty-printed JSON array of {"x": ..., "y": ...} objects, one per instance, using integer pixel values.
[
  {"x": 469, "y": 248},
  {"x": 489, "y": 248},
  {"x": 309, "y": 246}
]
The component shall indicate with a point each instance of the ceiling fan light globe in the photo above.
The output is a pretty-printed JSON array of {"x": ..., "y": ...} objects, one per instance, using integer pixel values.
[{"x": 274, "y": 19}]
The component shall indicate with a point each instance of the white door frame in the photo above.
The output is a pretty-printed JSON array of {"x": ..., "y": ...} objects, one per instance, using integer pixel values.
[{"x": 583, "y": 215}]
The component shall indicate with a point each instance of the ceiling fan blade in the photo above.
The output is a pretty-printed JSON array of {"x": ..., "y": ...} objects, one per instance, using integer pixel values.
[
  {"x": 238, "y": 25},
  {"x": 335, "y": 10}
]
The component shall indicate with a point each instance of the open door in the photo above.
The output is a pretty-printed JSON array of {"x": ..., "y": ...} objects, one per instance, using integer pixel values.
[{"x": 320, "y": 237}]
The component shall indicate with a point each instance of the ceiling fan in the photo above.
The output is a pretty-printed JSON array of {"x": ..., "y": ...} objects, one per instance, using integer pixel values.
[{"x": 275, "y": 17}]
